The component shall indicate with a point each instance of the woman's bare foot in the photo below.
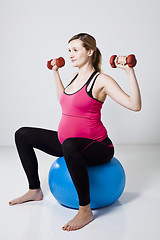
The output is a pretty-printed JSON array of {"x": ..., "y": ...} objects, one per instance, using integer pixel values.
[
  {"x": 31, "y": 195},
  {"x": 83, "y": 217}
]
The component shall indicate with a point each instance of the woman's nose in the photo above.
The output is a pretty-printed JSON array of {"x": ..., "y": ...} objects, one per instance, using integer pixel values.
[{"x": 71, "y": 54}]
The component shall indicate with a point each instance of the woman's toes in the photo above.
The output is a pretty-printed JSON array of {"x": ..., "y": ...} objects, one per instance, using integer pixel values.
[
  {"x": 65, "y": 227},
  {"x": 68, "y": 228},
  {"x": 71, "y": 228},
  {"x": 13, "y": 202},
  {"x": 74, "y": 227}
]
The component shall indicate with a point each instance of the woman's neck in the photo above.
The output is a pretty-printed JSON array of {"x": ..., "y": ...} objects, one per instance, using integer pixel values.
[{"x": 85, "y": 72}]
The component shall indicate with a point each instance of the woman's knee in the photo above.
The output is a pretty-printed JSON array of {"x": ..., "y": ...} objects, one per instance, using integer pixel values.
[
  {"x": 69, "y": 145},
  {"x": 21, "y": 133}
]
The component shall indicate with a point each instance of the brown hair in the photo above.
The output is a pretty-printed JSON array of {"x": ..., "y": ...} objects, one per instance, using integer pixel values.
[{"x": 89, "y": 42}]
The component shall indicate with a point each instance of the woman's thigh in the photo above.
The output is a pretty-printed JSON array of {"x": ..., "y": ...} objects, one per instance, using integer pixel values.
[
  {"x": 93, "y": 152},
  {"x": 97, "y": 153},
  {"x": 42, "y": 139}
]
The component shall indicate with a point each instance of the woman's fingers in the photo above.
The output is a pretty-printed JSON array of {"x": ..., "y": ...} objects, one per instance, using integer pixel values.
[
  {"x": 53, "y": 62},
  {"x": 121, "y": 60}
]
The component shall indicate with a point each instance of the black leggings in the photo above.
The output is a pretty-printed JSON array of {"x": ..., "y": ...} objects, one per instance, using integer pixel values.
[{"x": 78, "y": 152}]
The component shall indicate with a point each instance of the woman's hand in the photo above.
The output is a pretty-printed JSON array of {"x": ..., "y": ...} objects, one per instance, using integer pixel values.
[
  {"x": 53, "y": 63},
  {"x": 112, "y": 89},
  {"x": 121, "y": 62}
]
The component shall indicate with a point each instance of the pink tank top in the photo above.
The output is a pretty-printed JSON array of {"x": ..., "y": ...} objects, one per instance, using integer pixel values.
[{"x": 81, "y": 115}]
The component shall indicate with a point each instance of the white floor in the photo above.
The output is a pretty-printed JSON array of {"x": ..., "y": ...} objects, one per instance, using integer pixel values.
[{"x": 136, "y": 215}]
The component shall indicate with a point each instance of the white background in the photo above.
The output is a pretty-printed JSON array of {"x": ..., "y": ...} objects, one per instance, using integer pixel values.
[
  {"x": 34, "y": 31},
  {"x": 31, "y": 33}
]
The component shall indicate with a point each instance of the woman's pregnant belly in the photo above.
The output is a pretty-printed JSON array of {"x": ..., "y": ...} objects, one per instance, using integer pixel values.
[{"x": 75, "y": 126}]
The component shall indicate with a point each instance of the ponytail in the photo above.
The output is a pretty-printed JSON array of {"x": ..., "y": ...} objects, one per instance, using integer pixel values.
[{"x": 97, "y": 60}]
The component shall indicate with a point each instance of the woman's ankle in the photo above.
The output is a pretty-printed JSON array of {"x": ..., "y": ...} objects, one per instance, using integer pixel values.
[
  {"x": 35, "y": 189},
  {"x": 85, "y": 208}
]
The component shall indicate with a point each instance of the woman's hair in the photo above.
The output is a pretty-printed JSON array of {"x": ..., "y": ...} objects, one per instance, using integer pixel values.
[{"x": 89, "y": 42}]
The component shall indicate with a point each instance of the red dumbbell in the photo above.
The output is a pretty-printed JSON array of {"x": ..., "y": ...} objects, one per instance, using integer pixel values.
[
  {"x": 60, "y": 62},
  {"x": 130, "y": 60}
]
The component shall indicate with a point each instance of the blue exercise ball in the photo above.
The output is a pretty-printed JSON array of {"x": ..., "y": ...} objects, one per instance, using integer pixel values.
[{"x": 107, "y": 182}]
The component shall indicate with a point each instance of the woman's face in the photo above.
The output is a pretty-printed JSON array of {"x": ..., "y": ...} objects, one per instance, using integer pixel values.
[{"x": 78, "y": 54}]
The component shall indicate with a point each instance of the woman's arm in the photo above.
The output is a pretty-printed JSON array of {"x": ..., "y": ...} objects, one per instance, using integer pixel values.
[
  {"x": 58, "y": 82},
  {"x": 112, "y": 89}
]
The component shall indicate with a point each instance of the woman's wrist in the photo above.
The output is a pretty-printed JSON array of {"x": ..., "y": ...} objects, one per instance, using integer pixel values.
[
  {"x": 129, "y": 70},
  {"x": 55, "y": 70}
]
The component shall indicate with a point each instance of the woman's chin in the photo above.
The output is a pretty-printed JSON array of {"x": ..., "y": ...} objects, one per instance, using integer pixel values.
[{"x": 74, "y": 64}]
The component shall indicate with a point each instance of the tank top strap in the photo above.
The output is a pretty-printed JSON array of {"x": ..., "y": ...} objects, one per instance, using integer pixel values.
[
  {"x": 91, "y": 77},
  {"x": 90, "y": 90},
  {"x": 72, "y": 80}
]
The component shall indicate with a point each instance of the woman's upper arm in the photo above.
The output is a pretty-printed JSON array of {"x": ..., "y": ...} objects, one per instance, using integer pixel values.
[{"x": 113, "y": 90}]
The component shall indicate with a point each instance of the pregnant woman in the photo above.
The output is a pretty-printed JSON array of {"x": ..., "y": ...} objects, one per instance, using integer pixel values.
[{"x": 81, "y": 137}]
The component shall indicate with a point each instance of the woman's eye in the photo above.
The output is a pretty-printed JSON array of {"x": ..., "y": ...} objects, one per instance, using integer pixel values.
[{"x": 73, "y": 50}]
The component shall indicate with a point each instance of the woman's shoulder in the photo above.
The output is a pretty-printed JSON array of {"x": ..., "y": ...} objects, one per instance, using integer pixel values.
[{"x": 104, "y": 78}]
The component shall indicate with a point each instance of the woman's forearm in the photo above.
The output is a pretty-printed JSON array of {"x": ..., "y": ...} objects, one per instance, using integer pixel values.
[
  {"x": 135, "y": 96},
  {"x": 59, "y": 84}
]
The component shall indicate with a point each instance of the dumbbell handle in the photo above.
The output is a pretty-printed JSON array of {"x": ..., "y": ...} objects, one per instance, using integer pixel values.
[
  {"x": 130, "y": 60},
  {"x": 60, "y": 62}
]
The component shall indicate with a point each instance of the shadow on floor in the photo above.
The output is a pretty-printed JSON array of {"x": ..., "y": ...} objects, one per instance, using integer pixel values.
[{"x": 126, "y": 198}]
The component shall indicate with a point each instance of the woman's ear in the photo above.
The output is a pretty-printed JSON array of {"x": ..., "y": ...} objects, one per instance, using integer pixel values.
[{"x": 90, "y": 52}]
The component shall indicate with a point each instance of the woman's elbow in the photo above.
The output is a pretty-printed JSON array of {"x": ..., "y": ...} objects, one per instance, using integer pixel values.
[{"x": 136, "y": 108}]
